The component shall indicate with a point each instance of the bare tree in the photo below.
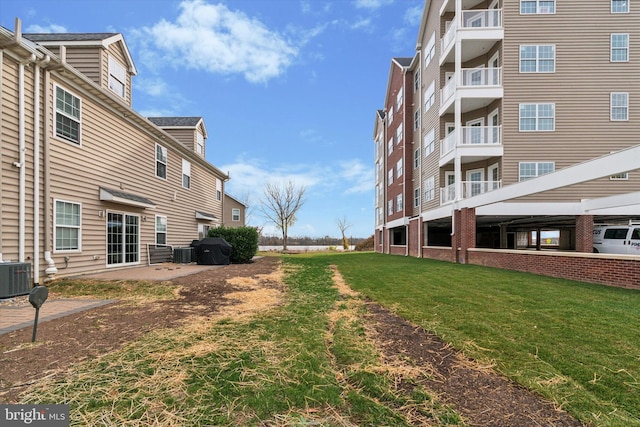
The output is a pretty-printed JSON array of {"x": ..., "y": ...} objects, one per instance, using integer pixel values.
[
  {"x": 280, "y": 204},
  {"x": 344, "y": 225}
]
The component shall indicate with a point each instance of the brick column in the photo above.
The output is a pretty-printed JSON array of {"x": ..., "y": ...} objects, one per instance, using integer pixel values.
[
  {"x": 584, "y": 233},
  {"x": 464, "y": 235}
]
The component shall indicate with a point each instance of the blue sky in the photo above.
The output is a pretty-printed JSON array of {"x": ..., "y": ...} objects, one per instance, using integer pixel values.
[{"x": 288, "y": 88}]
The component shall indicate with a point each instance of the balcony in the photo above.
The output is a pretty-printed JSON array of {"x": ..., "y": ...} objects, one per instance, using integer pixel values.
[
  {"x": 478, "y": 87},
  {"x": 479, "y": 30},
  {"x": 476, "y": 143},
  {"x": 469, "y": 189}
]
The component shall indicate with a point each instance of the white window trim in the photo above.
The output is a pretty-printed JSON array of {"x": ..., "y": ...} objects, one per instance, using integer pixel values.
[
  {"x": 537, "y": 59},
  {"x": 430, "y": 50},
  {"x": 416, "y": 197},
  {"x": 166, "y": 162},
  {"x": 429, "y": 188},
  {"x": 139, "y": 236},
  {"x": 618, "y": 48},
  {"x": 537, "y": 117},
  {"x": 538, "y": 12},
  {"x": 429, "y": 142},
  {"x": 186, "y": 171},
  {"x": 399, "y": 99},
  {"x": 399, "y": 169},
  {"x": 200, "y": 143},
  {"x": 390, "y": 176},
  {"x": 537, "y": 170},
  {"x": 235, "y": 214},
  {"x": 429, "y": 96},
  {"x": 416, "y": 158},
  {"x": 399, "y": 203},
  {"x": 56, "y": 226},
  {"x": 625, "y": 11},
  {"x": 117, "y": 72},
  {"x": 611, "y": 107},
  {"x": 218, "y": 189},
  {"x": 624, "y": 176},
  {"x": 165, "y": 232},
  {"x": 56, "y": 112}
]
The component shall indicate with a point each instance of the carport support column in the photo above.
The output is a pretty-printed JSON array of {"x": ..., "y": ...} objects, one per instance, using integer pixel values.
[
  {"x": 464, "y": 236},
  {"x": 584, "y": 233}
]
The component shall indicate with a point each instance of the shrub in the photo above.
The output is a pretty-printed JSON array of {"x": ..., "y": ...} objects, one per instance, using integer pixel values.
[
  {"x": 365, "y": 245},
  {"x": 244, "y": 241}
]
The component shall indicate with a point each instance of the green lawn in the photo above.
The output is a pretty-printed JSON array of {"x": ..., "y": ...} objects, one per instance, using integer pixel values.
[
  {"x": 308, "y": 362},
  {"x": 575, "y": 343}
]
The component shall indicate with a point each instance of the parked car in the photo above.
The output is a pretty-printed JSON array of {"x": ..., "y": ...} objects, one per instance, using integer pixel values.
[{"x": 617, "y": 239}]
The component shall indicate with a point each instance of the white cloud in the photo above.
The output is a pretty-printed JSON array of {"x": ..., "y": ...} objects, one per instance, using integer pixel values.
[
  {"x": 372, "y": 4},
  {"x": 152, "y": 86},
  {"x": 213, "y": 38},
  {"x": 413, "y": 15},
  {"x": 51, "y": 28},
  {"x": 357, "y": 176}
]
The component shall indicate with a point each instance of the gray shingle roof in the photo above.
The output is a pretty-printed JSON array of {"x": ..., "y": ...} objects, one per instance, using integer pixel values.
[
  {"x": 67, "y": 37},
  {"x": 175, "y": 121},
  {"x": 405, "y": 62}
]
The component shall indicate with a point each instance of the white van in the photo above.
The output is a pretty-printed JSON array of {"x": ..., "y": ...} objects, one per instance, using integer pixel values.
[{"x": 617, "y": 239}]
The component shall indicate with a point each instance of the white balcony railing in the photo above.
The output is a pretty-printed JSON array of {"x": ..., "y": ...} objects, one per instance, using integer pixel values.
[
  {"x": 469, "y": 189},
  {"x": 448, "y": 90},
  {"x": 449, "y": 35},
  {"x": 491, "y": 18},
  {"x": 477, "y": 135},
  {"x": 482, "y": 76}
]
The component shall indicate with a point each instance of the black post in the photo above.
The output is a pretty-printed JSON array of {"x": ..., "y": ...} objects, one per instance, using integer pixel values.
[
  {"x": 35, "y": 325},
  {"x": 37, "y": 297}
]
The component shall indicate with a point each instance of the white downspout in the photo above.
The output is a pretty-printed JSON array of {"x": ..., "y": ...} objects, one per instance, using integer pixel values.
[
  {"x": 1, "y": 63},
  {"x": 51, "y": 269},
  {"x": 36, "y": 169},
  {"x": 21, "y": 162}
]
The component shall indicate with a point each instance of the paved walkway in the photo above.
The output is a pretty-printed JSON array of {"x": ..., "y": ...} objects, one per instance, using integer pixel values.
[
  {"x": 21, "y": 314},
  {"x": 13, "y": 318}
]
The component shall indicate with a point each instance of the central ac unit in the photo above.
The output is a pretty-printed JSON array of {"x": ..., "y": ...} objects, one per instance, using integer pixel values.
[{"x": 15, "y": 279}]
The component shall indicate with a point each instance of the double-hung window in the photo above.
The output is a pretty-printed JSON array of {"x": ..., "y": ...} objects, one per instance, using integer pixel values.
[
  {"x": 67, "y": 226},
  {"x": 430, "y": 50},
  {"x": 416, "y": 197},
  {"x": 416, "y": 80},
  {"x": 161, "y": 162},
  {"x": 67, "y": 116},
  {"x": 416, "y": 119},
  {"x": 537, "y": 58},
  {"x": 619, "y": 6},
  {"x": 200, "y": 143},
  {"x": 528, "y": 170},
  {"x": 390, "y": 207},
  {"x": 389, "y": 176},
  {"x": 429, "y": 96},
  {"x": 619, "y": 106},
  {"x": 235, "y": 214},
  {"x": 537, "y": 7},
  {"x": 218, "y": 189},
  {"x": 429, "y": 189},
  {"x": 186, "y": 174},
  {"x": 537, "y": 117},
  {"x": 429, "y": 142},
  {"x": 390, "y": 116},
  {"x": 416, "y": 158},
  {"x": 399, "y": 170},
  {"x": 399, "y": 133},
  {"x": 399, "y": 99},
  {"x": 161, "y": 230},
  {"x": 117, "y": 77},
  {"x": 619, "y": 47},
  {"x": 390, "y": 147},
  {"x": 399, "y": 203}
]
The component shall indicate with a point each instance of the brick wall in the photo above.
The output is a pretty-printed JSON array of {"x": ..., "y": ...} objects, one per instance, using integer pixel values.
[
  {"x": 584, "y": 233},
  {"x": 439, "y": 253},
  {"x": 398, "y": 250},
  {"x": 613, "y": 270},
  {"x": 412, "y": 237}
]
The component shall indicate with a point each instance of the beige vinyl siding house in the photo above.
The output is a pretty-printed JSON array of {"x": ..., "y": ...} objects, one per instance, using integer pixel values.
[
  {"x": 83, "y": 185},
  {"x": 508, "y": 91},
  {"x": 234, "y": 212}
]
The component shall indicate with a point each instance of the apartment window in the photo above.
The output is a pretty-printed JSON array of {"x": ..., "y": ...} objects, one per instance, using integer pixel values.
[
  {"x": 537, "y": 58},
  {"x": 399, "y": 99},
  {"x": 389, "y": 176},
  {"x": 390, "y": 207},
  {"x": 117, "y": 77},
  {"x": 429, "y": 142},
  {"x": 416, "y": 119},
  {"x": 534, "y": 7},
  {"x": 390, "y": 147},
  {"x": 416, "y": 158},
  {"x": 199, "y": 143},
  {"x": 619, "y": 6},
  {"x": 429, "y": 189},
  {"x": 399, "y": 170},
  {"x": 619, "y": 47},
  {"x": 218, "y": 189},
  {"x": 416, "y": 80},
  {"x": 620, "y": 177},
  {"x": 67, "y": 226},
  {"x": 186, "y": 174},
  {"x": 203, "y": 231},
  {"x": 399, "y": 133},
  {"x": 619, "y": 106},
  {"x": 416, "y": 198},
  {"x": 429, "y": 96},
  {"x": 67, "y": 116},
  {"x": 537, "y": 117},
  {"x": 430, "y": 50},
  {"x": 235, "y": 214},
  {"x": 390, "y": 116},
  {"x": 161, "y": 230},
  {"x": 530, "y": 170},
  {"x": 161, "y": 162},
  {"x": 399, "y": 203}
]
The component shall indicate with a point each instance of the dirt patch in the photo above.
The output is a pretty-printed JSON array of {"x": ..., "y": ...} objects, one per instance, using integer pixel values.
[{"x": 483, "y": 397}]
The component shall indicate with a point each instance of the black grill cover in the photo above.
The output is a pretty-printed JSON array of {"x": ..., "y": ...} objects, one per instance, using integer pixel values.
[{"x": 212, "y": 251}]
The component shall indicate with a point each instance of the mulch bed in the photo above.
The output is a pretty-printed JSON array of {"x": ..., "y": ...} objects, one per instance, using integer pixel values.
[{"x": 480, "y": 395}]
